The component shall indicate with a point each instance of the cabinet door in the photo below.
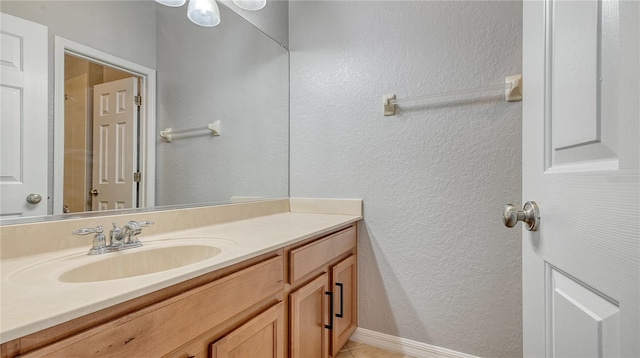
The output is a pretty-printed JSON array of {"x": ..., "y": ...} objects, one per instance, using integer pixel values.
[
  {"x": 309, "y": 307},
  {"x": 262, "y": 337},
  {"x": 344, "y": 281}
]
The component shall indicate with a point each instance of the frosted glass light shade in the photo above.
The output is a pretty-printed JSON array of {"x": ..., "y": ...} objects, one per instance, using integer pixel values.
[
  {"x": 252, "y": 5},
  {"x": 204, "y": 12},
  {"x": 172, "y": 3}
]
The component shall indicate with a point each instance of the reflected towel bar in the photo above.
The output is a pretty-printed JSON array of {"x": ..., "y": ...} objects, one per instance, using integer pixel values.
[
  {"x": 168, "y": 133},
  {"x": 512, "y": 87}
]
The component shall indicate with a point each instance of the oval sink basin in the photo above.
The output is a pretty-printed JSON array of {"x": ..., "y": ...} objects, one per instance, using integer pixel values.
[
  {"x": 153, "y": 257},
  {"x": 135, "y": 263}
]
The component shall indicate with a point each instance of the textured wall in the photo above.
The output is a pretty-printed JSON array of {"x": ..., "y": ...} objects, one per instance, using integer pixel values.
[
  {"x": 436, "y": 264},
  {"x": 234, "y": 74}
]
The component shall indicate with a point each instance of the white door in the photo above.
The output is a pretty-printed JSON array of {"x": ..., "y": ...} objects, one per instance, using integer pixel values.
[
  {"x": 115, "y": 156},
  {"x": 23, "y": 118},
  {"x": 581, "y": 114}
]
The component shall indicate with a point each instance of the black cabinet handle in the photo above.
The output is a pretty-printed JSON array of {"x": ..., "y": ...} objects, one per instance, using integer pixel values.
[
  {"x": 341, "y": 314},
  {"x": 330, "y": 325}
]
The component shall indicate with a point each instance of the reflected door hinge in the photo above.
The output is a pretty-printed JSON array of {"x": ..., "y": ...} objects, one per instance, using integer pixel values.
[
  {"x": 137, "y": 100},
  {"x": 137, "y": 176}
]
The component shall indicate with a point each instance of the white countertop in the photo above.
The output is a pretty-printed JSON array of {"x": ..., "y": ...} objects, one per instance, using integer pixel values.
[{"x": 28, "y": 306}]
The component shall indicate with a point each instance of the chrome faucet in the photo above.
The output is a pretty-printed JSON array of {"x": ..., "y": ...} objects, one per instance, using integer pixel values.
[{"x": 119, "y": 238}]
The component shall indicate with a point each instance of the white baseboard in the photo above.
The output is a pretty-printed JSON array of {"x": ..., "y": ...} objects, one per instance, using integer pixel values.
[{"x": 404, "y": 346}]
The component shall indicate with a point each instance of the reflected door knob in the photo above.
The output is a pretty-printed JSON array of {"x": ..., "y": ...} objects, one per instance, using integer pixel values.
[
  {"x": 34, "y": 198},
  {"x": 530, "y": 215},
  {"x": 94, "y": 192}
]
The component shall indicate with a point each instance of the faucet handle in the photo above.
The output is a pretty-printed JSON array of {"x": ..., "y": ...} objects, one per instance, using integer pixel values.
[
  {"x": 99, "y": 240},
  {"x": 86, "y": 231},
  {"x": 137, "y": 225},
  {"x": 145, "y": 223}
]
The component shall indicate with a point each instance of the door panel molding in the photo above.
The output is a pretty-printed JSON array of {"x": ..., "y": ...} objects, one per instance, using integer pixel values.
[
  {"x": 581, "y": 83},
  {"x": 576, "y": 311}
]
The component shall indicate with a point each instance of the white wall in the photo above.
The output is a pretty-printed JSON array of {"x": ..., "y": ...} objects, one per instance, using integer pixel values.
[{"x": 436, "y": 264}]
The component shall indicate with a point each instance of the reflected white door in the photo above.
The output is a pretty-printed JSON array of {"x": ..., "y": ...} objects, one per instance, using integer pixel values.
[
  {"x": 24, "y": 119},
  {"x": 115, "y": 154},
  {"x": 581, "y": 114}
]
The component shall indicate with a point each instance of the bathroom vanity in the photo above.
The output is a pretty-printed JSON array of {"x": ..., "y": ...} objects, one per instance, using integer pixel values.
[{"x": 285, "y": 284}]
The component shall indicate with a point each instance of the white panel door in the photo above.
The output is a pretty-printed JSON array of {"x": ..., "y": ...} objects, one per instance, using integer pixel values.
[
  {"x": 23, "y": 129},
  {"x": 115, "y": 154},
  {"x": 581, "y": 129}
]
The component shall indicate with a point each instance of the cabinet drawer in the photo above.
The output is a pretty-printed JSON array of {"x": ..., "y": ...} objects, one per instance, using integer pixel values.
[
  {"x": 305, "y": 259},
  {"x": 160, "y": 328}
]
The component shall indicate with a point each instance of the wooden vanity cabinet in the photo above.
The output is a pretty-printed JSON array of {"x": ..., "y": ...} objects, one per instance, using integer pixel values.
[
  {"x": 275, "y": 305},
  {"x": 323, "y": 295},
  {"x": 184, "y": 325}
]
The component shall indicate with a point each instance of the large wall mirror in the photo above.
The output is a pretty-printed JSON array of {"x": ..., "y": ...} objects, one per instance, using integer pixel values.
[{"x": 104, "y": 149}]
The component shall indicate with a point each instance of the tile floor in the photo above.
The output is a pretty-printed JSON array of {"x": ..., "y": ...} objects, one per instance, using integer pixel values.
[{"x": 360, "y": 350}]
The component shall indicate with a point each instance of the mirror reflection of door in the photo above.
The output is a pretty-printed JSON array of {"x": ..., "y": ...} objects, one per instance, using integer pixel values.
[
  {"x": 101, "y": 121},
  {"x": 23, "y": 129}
]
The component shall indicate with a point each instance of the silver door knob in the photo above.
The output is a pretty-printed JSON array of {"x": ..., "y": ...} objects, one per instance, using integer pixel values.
[
  {"x": 94, "y": 192},
  {"x": 34, "y": 198},
  {"x": 530, "y": 215}
]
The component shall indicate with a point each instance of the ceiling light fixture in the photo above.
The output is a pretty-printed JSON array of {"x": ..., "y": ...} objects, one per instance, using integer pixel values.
[{"x": 204, "y": 12}]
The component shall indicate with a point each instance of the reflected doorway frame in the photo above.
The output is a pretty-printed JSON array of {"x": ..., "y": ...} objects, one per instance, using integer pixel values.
[{"x": 147, "y": 128}]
